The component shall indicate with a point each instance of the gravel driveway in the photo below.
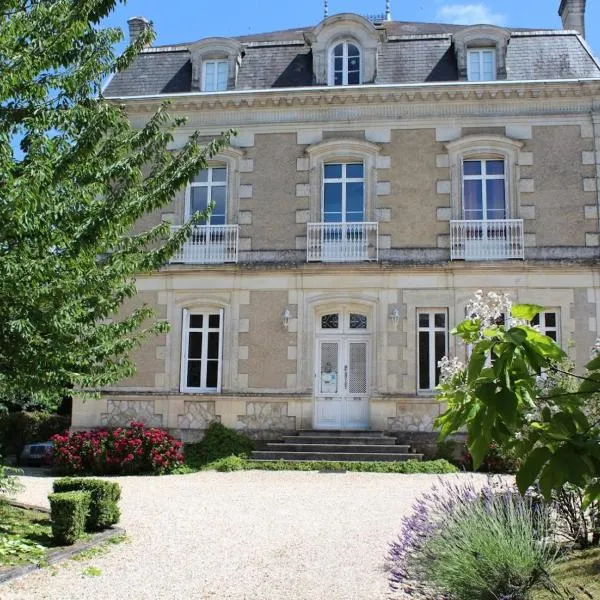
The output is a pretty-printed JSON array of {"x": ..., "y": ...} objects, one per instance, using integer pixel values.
[{"x": 251, "y": 535}]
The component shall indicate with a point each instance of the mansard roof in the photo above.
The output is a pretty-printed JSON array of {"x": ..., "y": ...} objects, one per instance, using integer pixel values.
[{"x": 409, "y": 53}]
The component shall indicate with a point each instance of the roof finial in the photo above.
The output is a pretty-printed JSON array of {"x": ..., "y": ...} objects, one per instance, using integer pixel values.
[
  {"x": 326, "y": 9},
  {"x": 388, "y": 10}
]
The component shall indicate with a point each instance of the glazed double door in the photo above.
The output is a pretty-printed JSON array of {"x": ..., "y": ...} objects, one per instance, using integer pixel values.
[{"x": 341, "y": 383}]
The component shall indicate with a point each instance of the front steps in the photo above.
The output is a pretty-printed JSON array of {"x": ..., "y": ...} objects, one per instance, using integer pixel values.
[{"x": 338, "y": 446}]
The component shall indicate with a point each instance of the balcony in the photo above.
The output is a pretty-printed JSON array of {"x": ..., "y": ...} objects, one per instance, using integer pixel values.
[
  {"x": 499, "y": 239},
  {"x": 342, "y": 242},
  {"x": 209, "y": 244}
]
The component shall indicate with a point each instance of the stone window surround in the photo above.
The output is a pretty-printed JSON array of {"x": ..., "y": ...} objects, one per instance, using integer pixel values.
[
  {"x": 344, "y": 27},
  {"x": 342, "y": 150},
  {"x": 175, "y": 338},
  {"x": 230, "y": 158},
  {"x": 481, "y": 36},
  {"x": 215, "y": 48},
  {"x": 183, "y": 387},
  {"x": 482, "y": 147}
]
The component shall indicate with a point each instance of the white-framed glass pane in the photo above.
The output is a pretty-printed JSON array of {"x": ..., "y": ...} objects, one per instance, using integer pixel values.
[
  {"x": 354, "y": 197},
  {"x": 547, "y": 322},
  {"x": 473, "y": 199},
  {"x": 357, "y": 367},
  {"x": 219, "y": 198},
  {"x": 472, "y": 167},
  {"x": 358, "y": 321},
  {"x": 218, "y": 174},
  {"x": 495, "y": 199},
  {"x": 494, "y": 167},
  {"x": 487, "y": 67},
  {"x": 329, "y": 368},
  {"x": 474, "y": 66},
  {"x": 354, "y": 171},
  {"x": 331, "y": 321},
  {"x": 222, "y": 75},
  {"x": 210, "y": 186},
  {"x": 338, "y": 51},
  {"x": 198, "y": 199},
  {"x": 333, "y": 171},
  {"x": 201, "y": 177}
]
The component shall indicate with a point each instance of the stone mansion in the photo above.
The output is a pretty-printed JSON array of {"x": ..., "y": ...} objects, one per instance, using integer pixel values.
[{"x": 383, "y": 171}]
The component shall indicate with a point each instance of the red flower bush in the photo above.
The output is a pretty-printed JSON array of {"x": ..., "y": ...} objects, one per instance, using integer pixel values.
[{"x": 121, "y": 451}]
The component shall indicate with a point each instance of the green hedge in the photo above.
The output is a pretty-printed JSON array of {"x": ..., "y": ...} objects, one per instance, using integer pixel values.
[
  {"x": 20, "y": 428},
  {"x": 68, "y": 512},
  {"x": 218, "y": 442},
  {"x": 236, "y": 463},
  {"x": 104, "y": 495}
]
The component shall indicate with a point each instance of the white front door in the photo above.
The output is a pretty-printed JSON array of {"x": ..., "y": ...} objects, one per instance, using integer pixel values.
[{"x": 341, "y": 395}]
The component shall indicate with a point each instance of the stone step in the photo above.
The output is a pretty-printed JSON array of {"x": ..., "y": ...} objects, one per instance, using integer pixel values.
[
  {"x": 339, "y": 433},
  {"x": 332, "y": 456},
  {"x": 337, "y": 448},
  {"x": 347, "y": 439}
]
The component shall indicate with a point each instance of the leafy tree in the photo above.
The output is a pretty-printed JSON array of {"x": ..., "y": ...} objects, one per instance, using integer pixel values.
[
  {"x": 75, "y": 177},
  {"x": 503, "y": 395}
]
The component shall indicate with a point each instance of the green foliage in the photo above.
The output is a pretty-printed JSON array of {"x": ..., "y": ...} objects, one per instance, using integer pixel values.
[
  {"x": 20, "y": 428},
  {"x": 9, "y": 484},
  {"x": 236, "y": 463},
  {"x": 503, "y": 397},
  {"x": 69, "y": 200},
  {"x": 68, "y": 512},
  {"x": 104, "y": 497},
  {"x": 24, "y": 535},
  {"x": 218, "y": 442},
  {"x": 497, "y": 547},
  {"x": 92, "y": 571}
]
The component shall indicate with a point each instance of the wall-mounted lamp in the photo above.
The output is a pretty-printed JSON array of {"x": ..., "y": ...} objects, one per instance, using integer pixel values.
[
  {"x": 285, "y": 317},
  {"x": 395, "y": 317}
]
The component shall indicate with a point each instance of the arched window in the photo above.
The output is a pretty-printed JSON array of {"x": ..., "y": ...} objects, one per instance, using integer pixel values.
[{"x": 345, "y": 64}]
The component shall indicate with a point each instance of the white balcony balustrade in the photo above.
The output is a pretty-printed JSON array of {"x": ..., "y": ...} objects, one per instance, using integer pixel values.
[
  {"x": 342, "y": 242},
  {"x": 209, "y": 244},
  {"x": 499, "y": 239}
]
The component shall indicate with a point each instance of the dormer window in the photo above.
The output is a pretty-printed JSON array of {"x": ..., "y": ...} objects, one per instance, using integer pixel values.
[
  {"x": 345, "y": 64},
  {"x": 214, "y": 75},
  {"x": 481, "y": 64},
  {"x": 481, "y": 52}
]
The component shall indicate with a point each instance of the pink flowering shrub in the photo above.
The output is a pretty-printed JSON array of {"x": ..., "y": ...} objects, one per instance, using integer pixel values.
[{"x": 120, "y": 451}]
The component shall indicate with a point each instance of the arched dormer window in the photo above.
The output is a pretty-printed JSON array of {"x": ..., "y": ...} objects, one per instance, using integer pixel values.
[
  {"x": 344, "y": 49},
  {"x": 345, "y": 63}
]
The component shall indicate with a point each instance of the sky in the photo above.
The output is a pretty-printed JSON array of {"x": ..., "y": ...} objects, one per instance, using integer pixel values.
[{"x": 177, "y": 21}]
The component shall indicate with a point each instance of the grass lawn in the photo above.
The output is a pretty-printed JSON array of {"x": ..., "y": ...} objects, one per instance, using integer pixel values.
[
  {"x": 579, "y": 574},
  {"x": 25, "y": 535}
]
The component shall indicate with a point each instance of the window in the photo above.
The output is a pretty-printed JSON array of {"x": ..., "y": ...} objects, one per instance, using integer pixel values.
[
  {"x": 481, "y": 64},
  {"x": 202, "y": 351},
  {"x": 548, "y": 324},
  {"x": 215, "y": 73},
  {"x": 343, "y": 193},
  {"x": 484, "y": 190},
  {"x": 432, "y": 346},
  {"x": 209, "y": 186},
  {"x": 345, "y": 64}
]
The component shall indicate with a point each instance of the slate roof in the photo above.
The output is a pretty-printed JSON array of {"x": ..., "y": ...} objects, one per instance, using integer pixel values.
[{"x": 413, "y": 53}]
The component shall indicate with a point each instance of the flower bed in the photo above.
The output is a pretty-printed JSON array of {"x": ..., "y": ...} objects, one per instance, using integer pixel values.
[{"x": 121, "y": 451}]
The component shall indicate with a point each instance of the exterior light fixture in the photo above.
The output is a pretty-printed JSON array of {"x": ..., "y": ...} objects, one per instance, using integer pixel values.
[
  {"x": 395, "y": 317},
  {"x": 285, "y": 317}
]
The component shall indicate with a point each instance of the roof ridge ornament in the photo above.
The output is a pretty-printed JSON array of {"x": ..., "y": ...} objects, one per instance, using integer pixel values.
[
  {"x": 388, "y": 10},
  {"x": 326, "y": 9}
]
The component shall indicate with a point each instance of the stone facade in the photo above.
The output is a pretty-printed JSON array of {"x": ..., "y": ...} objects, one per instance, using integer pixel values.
[{"x": 411, "y": 140}]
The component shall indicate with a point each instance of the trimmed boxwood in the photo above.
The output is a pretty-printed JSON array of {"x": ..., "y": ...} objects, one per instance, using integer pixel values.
[
  {"x": 68, "y": 512},
  {"x": 105, "y": 495}
]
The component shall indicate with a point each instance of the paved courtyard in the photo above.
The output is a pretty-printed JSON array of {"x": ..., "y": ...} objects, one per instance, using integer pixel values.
[{"x": 244, "y": 535}]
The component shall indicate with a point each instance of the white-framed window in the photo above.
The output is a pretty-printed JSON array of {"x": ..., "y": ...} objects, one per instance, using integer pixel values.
[
  {"x": 484, "y": 189},
  {"x": 208, "y": 187},
  {"x": 548, "y": 323},
  {"x": 202, "y": 351},
  {"x": 214, "y": 75},
  {"x": 345, "y": 64},
  {"x": 481, "y": 64},
  {"x": 432, "y": 346},
  {"x": 343, "y": 193}
]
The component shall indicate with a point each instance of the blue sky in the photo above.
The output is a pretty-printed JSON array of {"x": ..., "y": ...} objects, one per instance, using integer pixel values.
[{"x": 189, "y": 20}]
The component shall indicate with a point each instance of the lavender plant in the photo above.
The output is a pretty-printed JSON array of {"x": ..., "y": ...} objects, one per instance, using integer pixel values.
[{"x": 464, "y": 543}]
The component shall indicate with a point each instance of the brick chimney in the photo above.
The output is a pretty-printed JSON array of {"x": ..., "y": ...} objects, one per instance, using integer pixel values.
[
  {"x": 136, "y": 26},
  {"x": 572, "y": 13}
]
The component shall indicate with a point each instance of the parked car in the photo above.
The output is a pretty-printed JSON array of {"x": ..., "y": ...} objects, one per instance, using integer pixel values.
[{"x": 36, "y": 455}]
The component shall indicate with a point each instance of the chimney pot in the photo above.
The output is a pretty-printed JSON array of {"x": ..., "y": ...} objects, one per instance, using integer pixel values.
[
  {"x": 136, "y": 26},
  {"x": 572, "y": 13}
]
